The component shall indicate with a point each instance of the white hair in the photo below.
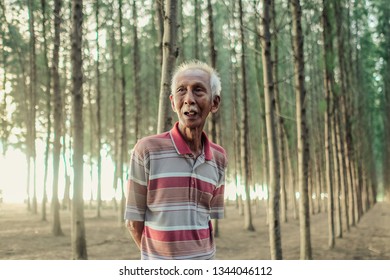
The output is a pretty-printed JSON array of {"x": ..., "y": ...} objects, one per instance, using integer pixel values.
[{"x": 215, "y": 82}]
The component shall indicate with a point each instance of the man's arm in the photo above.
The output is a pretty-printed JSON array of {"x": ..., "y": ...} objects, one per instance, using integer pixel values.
[{"x": 136, "y": 229}]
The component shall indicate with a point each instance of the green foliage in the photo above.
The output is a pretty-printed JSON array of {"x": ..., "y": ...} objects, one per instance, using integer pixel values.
[{"x": 368, "y": 45}]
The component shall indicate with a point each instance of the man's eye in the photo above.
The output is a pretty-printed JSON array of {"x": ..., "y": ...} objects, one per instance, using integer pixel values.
[
  {"x": 198, "y": 89},
  {"x": 180, "y": 90}
]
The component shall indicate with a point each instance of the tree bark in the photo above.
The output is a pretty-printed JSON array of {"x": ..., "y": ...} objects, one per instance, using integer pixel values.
[
  {"x": 196, "y": 29},
  {"x": 213, "y": 121},
  {"x": 170, "y": 53},
  {"x": 67, "y": 130},
  {"x": 48, "y": 110},
  {"x": 386, "y": 91},
  {"x": 269, "y": 98},
  {"x": 341, "y": 162},
  {"x": 123, "y": 141},
  {"x": 5, "y": 124},
  {"x": 98, "y": 117},
  {"x": 136, "y": 75},
  {"x": 33, "y": 103},
  {"x": 328, "y": 85},
  {"x": 115, "y": 115},
  {"x": 336, "y": 172},
  {"x": 280, "y": 121},
  {"x": 159, "y": 6},
  {"x": 302, "y": 143},
  {"x": 345, "y": 120},
  {"x": 55, "y": 206},
  {"x": 245, "y": 129},
  {"x": 79, "y": 244}
]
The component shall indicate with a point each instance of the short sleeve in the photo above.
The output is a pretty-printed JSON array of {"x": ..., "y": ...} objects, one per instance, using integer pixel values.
[
  {"x": 136, "y": 187},
  {"x": 218, "y": 201}
]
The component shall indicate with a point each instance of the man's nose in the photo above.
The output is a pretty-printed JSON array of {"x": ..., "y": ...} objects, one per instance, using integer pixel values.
[{"x": 189, "y": 97}]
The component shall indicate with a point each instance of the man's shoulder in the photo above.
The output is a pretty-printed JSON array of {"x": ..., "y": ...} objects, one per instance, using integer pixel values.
[
  {"x": 152, "y": 142},
  {"x": 155, "y": 137},
  {"x": 217, "y": 148},
  {"x": 219, "y": 153}
]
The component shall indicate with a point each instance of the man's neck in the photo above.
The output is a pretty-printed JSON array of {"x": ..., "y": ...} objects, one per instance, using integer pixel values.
[{"x": 193, "y": 138}]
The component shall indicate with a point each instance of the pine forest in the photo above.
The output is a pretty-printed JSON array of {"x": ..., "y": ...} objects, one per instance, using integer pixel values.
[{"x": 304, "y": 116}]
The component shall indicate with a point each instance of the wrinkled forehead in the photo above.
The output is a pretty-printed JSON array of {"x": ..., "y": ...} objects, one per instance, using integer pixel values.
[{"x": 193, "y": 74}]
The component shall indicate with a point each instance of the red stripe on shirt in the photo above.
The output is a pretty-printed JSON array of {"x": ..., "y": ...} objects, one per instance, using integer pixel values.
[
  {"x": 176, "y": 235},
  {"x": 179, "y": 182}
]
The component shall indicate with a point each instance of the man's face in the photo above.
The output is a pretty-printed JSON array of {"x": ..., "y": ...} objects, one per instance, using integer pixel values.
[{"x": 192, "y": 99}]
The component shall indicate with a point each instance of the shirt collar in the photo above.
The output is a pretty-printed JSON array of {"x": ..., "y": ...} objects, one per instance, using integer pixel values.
[{"x": 182, "y": 147}]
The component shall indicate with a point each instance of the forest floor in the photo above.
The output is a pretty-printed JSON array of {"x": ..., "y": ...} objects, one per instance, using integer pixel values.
[{"x": 23, "y": 236}]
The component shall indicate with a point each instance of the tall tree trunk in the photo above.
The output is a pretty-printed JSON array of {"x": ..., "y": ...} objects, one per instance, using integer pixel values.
[
  {"x": 170, "y": 53},
  {"x": 33, "y": 104},
  {"x": 245, "y": 154},
  {"x": 280, "y": 121},
  {"x": 98, "y": 117},
  {"x": 269, "y": 98},
  {"x": 358, "y": 190},
  {"x": 348, "y": 135},
  {"x": 196, "y": 29},
  {"x": 342, "y": 192},
  {"x": 263, "y": 133},
  {"x": 214, "y": 118},
  {"x": 310, "y": 180},
  {"x": 48, "y": 110},
  {"x": 5, "y": 126},
  {"x": 328, "y": 84},
  {"x": 79, "y": 244},
  {"x": 66, "y": 126},
  {"x": 336, "y": 172},
  {"x": 28, "y": 181},
  {"x": 302, "y": 143},
  {"x": 236, "y": 128},
  {"x": 66, "y": 200},
  {"x": 115, "y": 116},
  {"x": 183, "y": 54},
  {"x": 341, "y": 163},
  {"x": 319, "y": 159},
  {"x": 136, "y": 75},
  {"x": 157, "y": 33},
  {"x": 159, "y": 6},
  {"x": 338, "y": 8},
  {"x": 316, "y": 132},
  {"x": 236, "y": 133},
  {"x": 123, "y": 142},
  {"x": 319, "y": 181},
  {"x": 55, "y": 206},
  {"x": 92, "y": 123},
  {"x": 386, "y": 91},
  {"x": 290, "y": 172}
]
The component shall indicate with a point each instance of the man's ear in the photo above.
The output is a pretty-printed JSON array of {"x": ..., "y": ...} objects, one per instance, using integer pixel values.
[
  {"x": 172, "y": 103},
  {"x": 216, "y": 102}
]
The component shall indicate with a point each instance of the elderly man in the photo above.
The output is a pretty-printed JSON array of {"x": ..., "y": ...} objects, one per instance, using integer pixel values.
[{"x": 176, "y": 180}]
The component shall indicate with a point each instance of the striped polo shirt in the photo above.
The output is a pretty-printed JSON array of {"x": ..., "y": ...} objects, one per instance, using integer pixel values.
[{"x": 176, "y": 195}]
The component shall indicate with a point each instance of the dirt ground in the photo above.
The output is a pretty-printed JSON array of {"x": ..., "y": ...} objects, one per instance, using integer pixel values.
[{"x": 23, "y": 236}]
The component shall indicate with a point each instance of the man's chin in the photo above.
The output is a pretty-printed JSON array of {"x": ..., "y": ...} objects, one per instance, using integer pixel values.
[{"x": 192, "y": 124}]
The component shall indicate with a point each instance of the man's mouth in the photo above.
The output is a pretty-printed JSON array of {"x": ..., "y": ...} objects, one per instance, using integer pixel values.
[{"x": 190, "y": 113}]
